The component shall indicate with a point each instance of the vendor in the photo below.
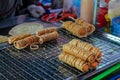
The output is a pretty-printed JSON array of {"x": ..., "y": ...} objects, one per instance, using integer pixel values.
[{"x": 9, "y": 8}]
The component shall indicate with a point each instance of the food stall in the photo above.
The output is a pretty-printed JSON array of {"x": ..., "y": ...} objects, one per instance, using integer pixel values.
[{"x": 44, "y": 63}]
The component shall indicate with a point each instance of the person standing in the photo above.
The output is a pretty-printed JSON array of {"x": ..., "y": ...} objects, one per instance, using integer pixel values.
[{"x": 9, "y": 8}]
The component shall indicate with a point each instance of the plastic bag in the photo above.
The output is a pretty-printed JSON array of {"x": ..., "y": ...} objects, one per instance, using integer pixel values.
[{"x": 114, "y": 9}]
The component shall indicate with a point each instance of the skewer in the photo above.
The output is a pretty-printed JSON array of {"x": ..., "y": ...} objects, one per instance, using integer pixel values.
[
  {"x": 61, "y": 21},
  {"x": 72, "y": 18}
]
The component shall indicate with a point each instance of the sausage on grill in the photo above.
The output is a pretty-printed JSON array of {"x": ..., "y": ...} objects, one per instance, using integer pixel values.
[
  {"x": 23, "y": 43},
  {"x": 48, "y": 37},
  {"x": 18, "y": 37},
  {"x": 87, "y": 46},
  {"x": 75, "y": 29},
  {"x": 90, "y": 28},
  {"x": 46, "y": 30},
  {"x": 79, "y": 52},
  {"x": 73, "y": 61}
]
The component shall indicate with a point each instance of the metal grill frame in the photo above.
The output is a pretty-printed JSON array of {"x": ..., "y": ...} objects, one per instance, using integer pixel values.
[{"x": 98, "y": 39}]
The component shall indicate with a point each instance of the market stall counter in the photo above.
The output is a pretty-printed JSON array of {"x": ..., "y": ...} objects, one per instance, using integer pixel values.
[{"x": 44, "y": 64}]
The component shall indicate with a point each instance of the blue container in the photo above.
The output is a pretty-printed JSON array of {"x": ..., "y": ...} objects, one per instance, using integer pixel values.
[
  {"x": 116, "y": 26},
  {"x": 117, "y": 77}
]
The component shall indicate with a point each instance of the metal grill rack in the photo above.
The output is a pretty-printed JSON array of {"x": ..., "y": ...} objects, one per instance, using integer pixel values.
[{"x": 44, "y": 64}]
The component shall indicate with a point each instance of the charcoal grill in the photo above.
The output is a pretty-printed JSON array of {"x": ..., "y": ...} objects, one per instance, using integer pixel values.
[{"x": 43, "y": 64}]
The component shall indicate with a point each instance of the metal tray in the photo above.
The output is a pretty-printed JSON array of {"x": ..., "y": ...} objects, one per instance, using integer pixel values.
[{"x": 44, "y": 64}]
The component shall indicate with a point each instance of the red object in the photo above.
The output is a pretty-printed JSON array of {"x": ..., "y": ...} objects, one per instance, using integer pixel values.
[
  {"x": 54, "y": 17},
  {"x": 66, "y": 15},
  {"x": 101, "y": 17},
  {"x": 107, "y": 1},
  {"x": 49, "y": 17}
]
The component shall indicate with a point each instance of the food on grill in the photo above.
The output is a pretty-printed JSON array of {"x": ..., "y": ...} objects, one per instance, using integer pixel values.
[
  {"x": 25, "y": 40},
  {"x": 20, "y": 44},
  {"x": 73, "y": 61},
  {"x": 34, "y": 46},
  {"x": 25, "y": 28},
  {"x": 94, "y": 64},
  {"x": 97, "y": 52},
  {"x": 32, "y": 39},
  {"x": 79, "y": 21},
  {"x": 79, "y": 52},
  {"x": 3, "y": 39},
  {"x": 67, "y": 23},
  {"x": 46, "y": 30},
  {"x": 23, "y": 43},
  {"x": 99, "y": 60},
  {"x": 48, "y": 37},
  {"x": 18, "y": 37},
  {"x": 79, "y": 28},
  {"x": 75, "y": 29},
  {"x": 90, "y": 28},
  {"x": 87, "y": 46},
  {"x": 74, "y": 42},
  {"x": 82, "y": 44}
]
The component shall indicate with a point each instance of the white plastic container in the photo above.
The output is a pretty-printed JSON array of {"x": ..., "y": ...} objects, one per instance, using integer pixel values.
[{"x": 114, "y": 9}]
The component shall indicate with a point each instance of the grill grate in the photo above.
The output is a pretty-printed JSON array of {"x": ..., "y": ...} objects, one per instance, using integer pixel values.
[{"x": 44, "y": 63}]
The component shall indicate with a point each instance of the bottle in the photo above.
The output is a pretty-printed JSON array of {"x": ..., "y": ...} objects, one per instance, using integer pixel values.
[
  {"x": 107, "y": 26},
  {"x": 86, "y": 12},
  {"x": 102, "y": 11}
]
